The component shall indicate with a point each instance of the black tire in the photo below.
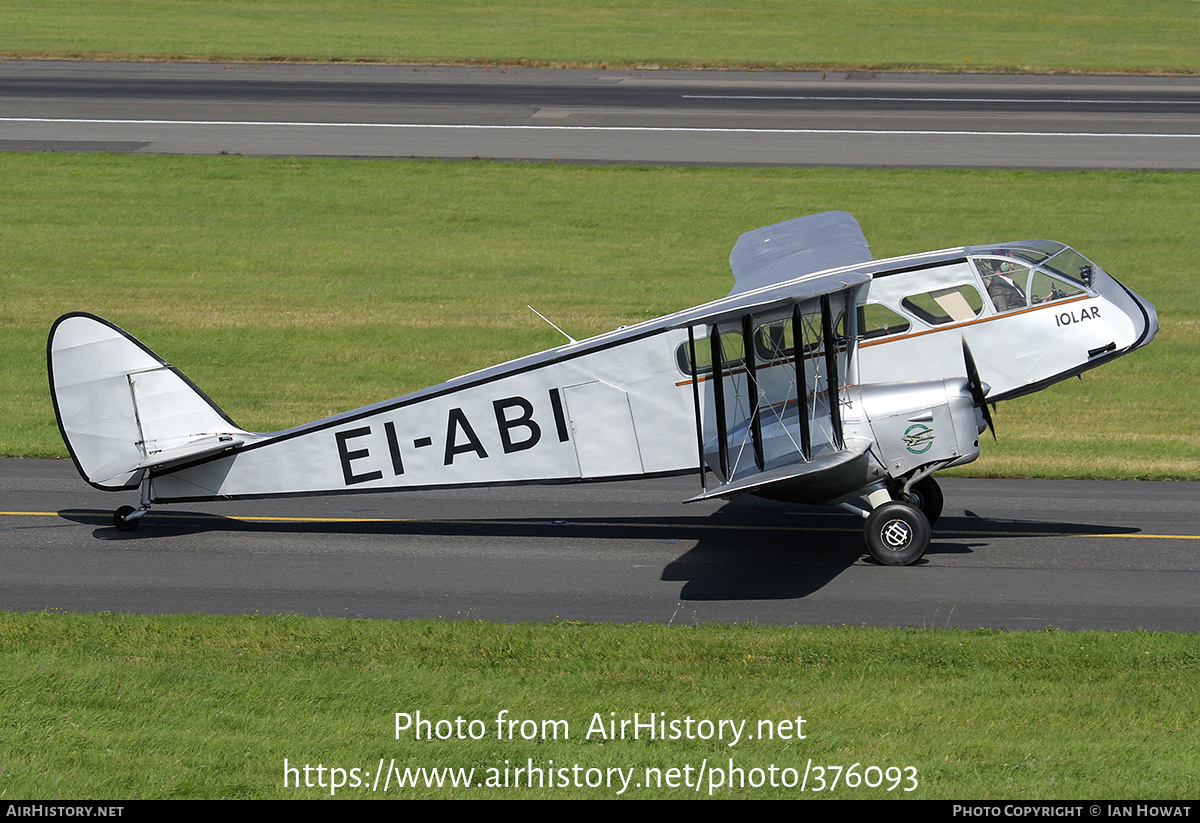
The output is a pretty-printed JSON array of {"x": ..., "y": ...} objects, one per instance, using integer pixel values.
[
  {"x": 897, "y": 534},
  {"x": 927, "y": 496},
  {"x": 121, "y": 519}
]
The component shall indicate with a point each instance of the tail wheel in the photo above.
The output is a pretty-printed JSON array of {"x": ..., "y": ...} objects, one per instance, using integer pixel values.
[
  {"x": 897, "y": 533},
  {"x": 123, "y": 521}
]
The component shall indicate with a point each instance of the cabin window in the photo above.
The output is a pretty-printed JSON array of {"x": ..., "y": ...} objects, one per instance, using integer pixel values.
[
  {"x": 877, "y": 320},
  {"x": 955, "y": 304},
  {"x": 777, "y": 341},
  {"x": 733, "y": 351}
]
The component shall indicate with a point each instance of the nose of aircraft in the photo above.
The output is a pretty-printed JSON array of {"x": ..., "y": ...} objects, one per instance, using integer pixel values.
[
  {"x": 1141, "y": 312},
  {"x": 1151, "y": 320},
  {"x": 1144, "y": 316}
]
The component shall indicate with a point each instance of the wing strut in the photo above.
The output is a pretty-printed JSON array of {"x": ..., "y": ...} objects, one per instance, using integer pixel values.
[
  {"x": 801, "y": 384},
  {"x": 831, "y": 372},
  {"x": 718, "y": 365},
  {"x": 696, "y": 405},
  {"x": 752, "y": 386}
]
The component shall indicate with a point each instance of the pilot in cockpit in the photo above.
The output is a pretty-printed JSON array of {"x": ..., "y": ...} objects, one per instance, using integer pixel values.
[{"x": 1006, "y": 294}]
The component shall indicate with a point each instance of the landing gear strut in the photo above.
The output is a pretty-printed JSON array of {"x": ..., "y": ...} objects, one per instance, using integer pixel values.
[
  {"x": 927, "y": 496},
  {"x": 127, "y": 518}
]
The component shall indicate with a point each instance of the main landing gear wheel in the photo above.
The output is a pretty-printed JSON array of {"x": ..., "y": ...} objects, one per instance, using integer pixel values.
[
  {"x": 926, "y": 495},
  {"x": 122, "y": 520},
  {"x": 897, "y": 533}
]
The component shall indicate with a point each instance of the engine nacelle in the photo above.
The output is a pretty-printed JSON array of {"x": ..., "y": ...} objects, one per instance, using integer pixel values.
[{"x": 922, "y": 423}]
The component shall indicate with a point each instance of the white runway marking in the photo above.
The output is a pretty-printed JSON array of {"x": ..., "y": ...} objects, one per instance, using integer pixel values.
[
  {"x": 665, "y": 129},
  {"x": 989, "y": 100}
]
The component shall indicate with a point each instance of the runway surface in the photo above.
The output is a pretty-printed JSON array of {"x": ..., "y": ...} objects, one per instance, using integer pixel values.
[
  {"x": 709, "y": 118},
  {"x": 1007, "y": 553}
]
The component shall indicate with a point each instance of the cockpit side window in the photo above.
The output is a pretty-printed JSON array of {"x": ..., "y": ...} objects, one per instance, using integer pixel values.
[
  {"x": 1071, "y": 265},
  {"x": 1012, "y": 285},
  {"x": 1006, "y": 282},
  {"x": 1046, "y": 288}
]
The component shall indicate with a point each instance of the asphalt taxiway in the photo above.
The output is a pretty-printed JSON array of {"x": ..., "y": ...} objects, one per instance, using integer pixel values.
[{"x": 1016, "y": 554}]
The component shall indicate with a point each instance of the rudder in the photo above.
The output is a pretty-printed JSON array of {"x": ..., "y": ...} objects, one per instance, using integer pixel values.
[{"x": 122, "y": 409}]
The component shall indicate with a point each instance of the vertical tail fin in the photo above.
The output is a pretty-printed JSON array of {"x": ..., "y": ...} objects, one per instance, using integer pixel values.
[{"x": 122, "y": 409}]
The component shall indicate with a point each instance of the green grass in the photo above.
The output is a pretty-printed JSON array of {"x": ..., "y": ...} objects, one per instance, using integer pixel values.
[
  {"x": 293, "y": 289},
  {"x": 114, "y": 706},
  {"x": 1034, "y": 35}
]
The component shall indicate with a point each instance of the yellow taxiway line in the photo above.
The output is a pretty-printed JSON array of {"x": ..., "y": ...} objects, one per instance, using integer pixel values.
[{"x": 553, "y": 521}]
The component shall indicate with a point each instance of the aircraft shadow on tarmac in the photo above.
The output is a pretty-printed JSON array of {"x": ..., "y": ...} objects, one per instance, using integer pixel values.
[
  {"x": 729, "y": 569},
  {"x": 774, "y": 554}
]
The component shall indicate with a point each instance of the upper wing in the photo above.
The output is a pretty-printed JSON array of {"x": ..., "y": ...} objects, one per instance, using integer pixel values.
[{"x": 793, "y": 248}]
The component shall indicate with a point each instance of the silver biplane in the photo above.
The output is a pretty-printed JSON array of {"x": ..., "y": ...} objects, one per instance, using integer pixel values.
[{"x": 823, "y": 377}]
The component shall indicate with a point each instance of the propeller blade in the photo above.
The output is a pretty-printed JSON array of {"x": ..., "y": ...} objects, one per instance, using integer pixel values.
[
  {"x": 987, "y": 418},
  {"x": 976, "y": 387}
]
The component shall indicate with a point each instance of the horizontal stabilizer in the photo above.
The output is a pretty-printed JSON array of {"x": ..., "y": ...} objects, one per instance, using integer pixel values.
[
  {"x": 122, "y": 409},
  {"x": 194, "y": 450}
]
